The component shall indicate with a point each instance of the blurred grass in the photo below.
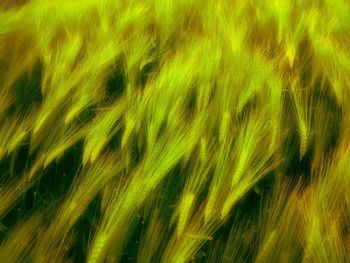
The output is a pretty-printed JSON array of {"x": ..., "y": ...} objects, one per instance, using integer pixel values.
[{"x": 174, "y": 131}]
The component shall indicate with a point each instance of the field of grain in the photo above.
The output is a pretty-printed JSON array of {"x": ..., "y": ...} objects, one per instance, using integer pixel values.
[{"x": 174, "y": 131}]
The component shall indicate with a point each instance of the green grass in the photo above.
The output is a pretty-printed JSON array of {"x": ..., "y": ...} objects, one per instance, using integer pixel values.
[{"x": 174, "y": 131}]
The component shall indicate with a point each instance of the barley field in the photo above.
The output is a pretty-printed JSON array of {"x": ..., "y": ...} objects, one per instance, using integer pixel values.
[{"x": 174, "y": 131}]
